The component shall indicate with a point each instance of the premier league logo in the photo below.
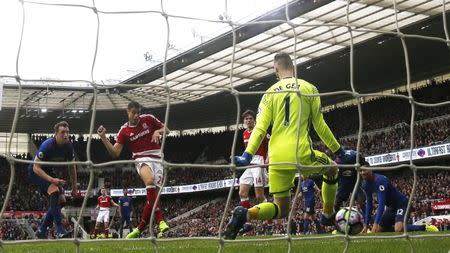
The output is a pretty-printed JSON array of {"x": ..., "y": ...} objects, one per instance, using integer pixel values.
[
  {"x": 421, "y": 152},
  {"x": 145, "y": 125}
]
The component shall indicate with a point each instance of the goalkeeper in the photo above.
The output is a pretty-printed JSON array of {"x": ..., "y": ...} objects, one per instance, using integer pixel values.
[{"x": 282, "y": 111}]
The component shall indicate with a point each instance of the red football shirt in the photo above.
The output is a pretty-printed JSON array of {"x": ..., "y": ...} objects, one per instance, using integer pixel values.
[
  {"x": 104, "y": 202},
  {"x": 138, "y": 138},
  {"x": 262, "y": 150}
]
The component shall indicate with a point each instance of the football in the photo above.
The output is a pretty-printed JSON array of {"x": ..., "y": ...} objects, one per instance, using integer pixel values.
[{"x": 350, "y": 221}]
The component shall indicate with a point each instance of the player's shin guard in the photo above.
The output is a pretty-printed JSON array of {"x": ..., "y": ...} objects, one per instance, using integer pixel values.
[
  {"x": 264, "y": 211},
  {"x": 46, "y": 222},
  {"x": 329, "y": 189},
  {"x": 158, "y": 213},
  {"x": 55, "y": 208},
  {"x": 146, "y": 213}
]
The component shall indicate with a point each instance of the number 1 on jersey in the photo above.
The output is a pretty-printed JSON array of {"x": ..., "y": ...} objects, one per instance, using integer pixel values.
[{"x": 287, "y": 102}]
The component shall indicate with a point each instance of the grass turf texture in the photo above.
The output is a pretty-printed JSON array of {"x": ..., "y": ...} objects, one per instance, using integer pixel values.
[{"x": 440, "y": 244}]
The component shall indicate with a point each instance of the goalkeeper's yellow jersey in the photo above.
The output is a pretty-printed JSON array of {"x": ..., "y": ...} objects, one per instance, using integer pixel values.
[{"x": 282, "y": 111}]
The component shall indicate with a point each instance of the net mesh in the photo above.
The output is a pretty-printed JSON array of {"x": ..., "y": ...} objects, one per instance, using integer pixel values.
[{"x": 351, "y": 28}]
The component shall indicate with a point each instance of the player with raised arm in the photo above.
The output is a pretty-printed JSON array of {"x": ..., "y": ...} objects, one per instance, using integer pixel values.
[
  {"x": 309, "y": 189},
  {"x": 388, "y": 198},
  {"x": 258, "y": 176},
  {"x": 141, "y": 135},
  {"x": 104, "y": 204},
  {"x": 54, "y": 149},
  {"x": 125, "y": 204},
  {"x": 280, "y": 107}
]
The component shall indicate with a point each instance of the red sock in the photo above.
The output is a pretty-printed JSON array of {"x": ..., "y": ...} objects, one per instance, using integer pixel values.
[
  {"x": 106, "y": 232},
  {"x": 95, "y": 232},
  {"x": 145, "y": 218},
  {"x": 158, "y": 213},
  {"x": 245, "y": 203}
]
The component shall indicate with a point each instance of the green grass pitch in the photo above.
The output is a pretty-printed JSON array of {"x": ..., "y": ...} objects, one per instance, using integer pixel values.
[{"x": 438, "y": 244}]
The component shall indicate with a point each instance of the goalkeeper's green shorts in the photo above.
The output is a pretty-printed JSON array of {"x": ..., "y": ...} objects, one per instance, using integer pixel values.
[{"x": 281, "y": 181}]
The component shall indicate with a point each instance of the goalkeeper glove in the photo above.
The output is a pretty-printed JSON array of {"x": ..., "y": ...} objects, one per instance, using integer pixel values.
[
  {"x": 243, "y": 160},
  {"x": 345, "y": 156}
]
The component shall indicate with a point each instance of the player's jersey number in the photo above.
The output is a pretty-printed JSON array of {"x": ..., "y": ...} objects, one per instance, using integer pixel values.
[{"x": 287, "y": 104}]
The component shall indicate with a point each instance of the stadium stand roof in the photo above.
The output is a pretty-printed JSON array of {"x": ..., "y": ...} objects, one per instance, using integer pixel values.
[{"x": 322, "y": 58}]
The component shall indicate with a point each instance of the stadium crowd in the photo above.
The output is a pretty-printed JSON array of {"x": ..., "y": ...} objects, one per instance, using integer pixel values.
[
  {"x": 432, "y": 126},
  {"x": 214, "y": 148}
]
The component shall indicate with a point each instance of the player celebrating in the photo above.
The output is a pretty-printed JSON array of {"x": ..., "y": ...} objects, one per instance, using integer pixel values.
[
  {"x": 125, "y": 210},
  {"x": 141, "y": 134},
  {"x": 55, "y": 149},
  {"x": 282, "y": 110},
  {"x": 309, "y": 189},
  {"x": 104, "y": 204},
  {"x": 253, "y": 176},
  {"x": 391, "y": 219}
]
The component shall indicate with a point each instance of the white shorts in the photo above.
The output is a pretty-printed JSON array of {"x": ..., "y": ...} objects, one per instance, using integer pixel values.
[
  {"x": 255, "y": 176},
  {"x": 103, "y": 215},
  {"x": 157, "y": 169}
]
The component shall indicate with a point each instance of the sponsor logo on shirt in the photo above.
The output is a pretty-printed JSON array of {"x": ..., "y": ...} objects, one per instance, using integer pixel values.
[{"x": 133, "y": 138}]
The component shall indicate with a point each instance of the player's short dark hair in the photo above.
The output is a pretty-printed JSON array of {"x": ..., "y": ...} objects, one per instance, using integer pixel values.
[
  {"x": 283, "y": 60},
  {"x": 134, "y": 104},
  {"x": 249, "y": 112},
  {"x": 60, "y": 124}
]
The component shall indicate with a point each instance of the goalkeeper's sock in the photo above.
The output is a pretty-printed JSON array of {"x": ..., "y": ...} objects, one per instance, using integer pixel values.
[
  {"x": 264, "y": 211},
  {"x": 329, "y": 189},
  {"x": 411, "y": 227},
  {"x": 306, "y": 226},
  {"x": 245, "y": 202}
]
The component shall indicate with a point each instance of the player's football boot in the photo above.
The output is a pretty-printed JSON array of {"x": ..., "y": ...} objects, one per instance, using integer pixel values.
[
  {"x": 41, "y": 234},
  {"x": 134, "y": 234},
  {"x": 328, "y": 221},
  {"x": 431, "y": 228},
  {"x": 237, "y": 221},
  {"x": 246, "y": 228},
  {"x": 163, "y": 227}
]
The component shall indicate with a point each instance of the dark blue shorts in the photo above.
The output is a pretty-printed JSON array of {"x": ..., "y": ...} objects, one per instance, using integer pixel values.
[
  {"x": 309, "y": 206},
  {"x": 344, "y": 193},
  {"x": 39, "y": 181},
  {"x": 392, "y": 216}
]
